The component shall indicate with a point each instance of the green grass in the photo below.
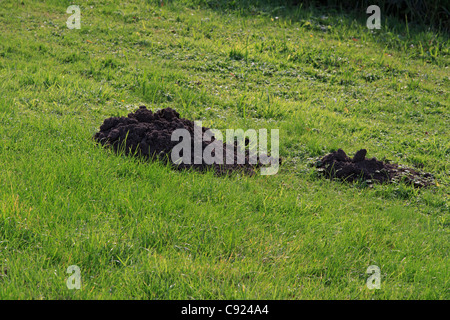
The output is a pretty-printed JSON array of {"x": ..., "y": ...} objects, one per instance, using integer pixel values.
[{"x": 142, "y": 231}]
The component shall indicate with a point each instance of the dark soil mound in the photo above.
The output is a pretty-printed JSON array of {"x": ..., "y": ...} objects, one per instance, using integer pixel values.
[
  {"x": 148, "y": 134},
  {"x": 338, "y": 165}
]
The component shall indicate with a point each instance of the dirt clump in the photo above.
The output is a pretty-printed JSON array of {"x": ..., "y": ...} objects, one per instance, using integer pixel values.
[
  {"x": 359, "y": 168},
  {"x": 148, "y": 134}
]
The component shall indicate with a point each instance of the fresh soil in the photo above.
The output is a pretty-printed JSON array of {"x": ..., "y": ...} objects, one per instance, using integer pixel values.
[
  {"x": 148, "y": 134},
  {"x": 359, "y": 168}
]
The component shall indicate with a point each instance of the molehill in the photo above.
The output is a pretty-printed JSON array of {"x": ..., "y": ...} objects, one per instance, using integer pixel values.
[
  {"x": 338, "y": 165},
  {"x": 148, "y": 134}
]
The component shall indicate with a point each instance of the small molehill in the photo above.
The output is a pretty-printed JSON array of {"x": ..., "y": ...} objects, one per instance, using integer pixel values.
[{"x": 338, "y": 165}]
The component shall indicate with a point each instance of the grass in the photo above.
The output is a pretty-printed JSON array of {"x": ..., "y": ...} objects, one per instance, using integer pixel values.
[{"x": 142, "y": 231}]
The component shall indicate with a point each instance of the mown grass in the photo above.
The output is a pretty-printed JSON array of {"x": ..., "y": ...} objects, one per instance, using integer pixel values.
[{"x": 142, "y": 231}]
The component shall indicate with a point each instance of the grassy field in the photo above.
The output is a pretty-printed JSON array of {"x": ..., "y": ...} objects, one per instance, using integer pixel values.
[{"x": 143, "y": 231}]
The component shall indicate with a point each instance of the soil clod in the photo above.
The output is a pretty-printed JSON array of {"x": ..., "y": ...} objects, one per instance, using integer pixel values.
[{"x": 360, "y": 155}]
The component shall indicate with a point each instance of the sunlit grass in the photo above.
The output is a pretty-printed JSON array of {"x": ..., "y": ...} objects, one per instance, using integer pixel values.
[{"x": 141, "y": 230}]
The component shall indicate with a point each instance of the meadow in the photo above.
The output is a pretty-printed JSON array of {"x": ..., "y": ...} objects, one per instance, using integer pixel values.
[{"x": 140, "y": 230}]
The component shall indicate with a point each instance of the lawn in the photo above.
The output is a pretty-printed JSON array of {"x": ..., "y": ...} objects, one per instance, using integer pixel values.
[{"x": 140, "y": 230}]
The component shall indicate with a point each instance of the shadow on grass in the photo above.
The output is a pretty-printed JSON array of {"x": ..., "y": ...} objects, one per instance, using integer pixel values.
[
  {"x": 433, "y": 13},
  {"x": 421, "y": 27}
]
